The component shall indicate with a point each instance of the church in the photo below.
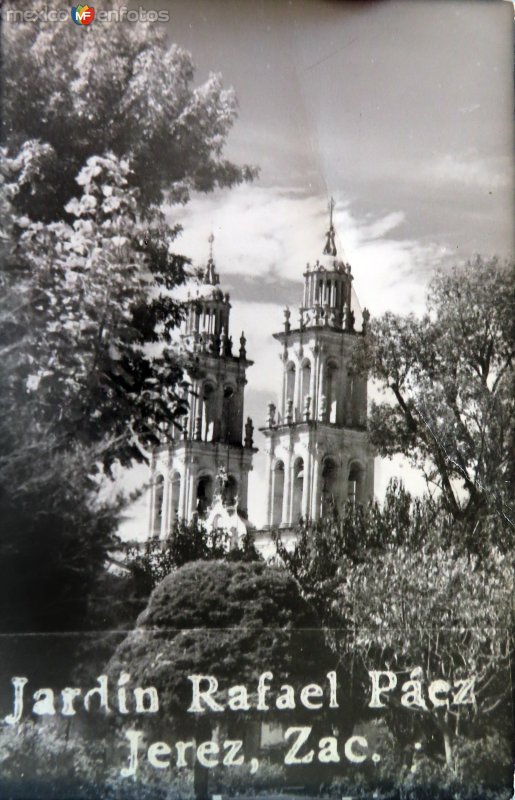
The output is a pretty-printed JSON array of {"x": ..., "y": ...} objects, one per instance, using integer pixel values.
[{"x": 318, "y": 453}]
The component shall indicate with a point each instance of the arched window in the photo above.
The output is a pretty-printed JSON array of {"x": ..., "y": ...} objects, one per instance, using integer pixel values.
[
  {"x": 331, "y": 391},
  {"x": 229, "y": 417},
  {"x": 159, "y": 491},
  {"x": 204, "y": 494},
  {"x": 329, "y": 486},
  {"x": 349, "y": 413},
  {"x": 290, "y": 384},
  {"x": 355, "y": 484},
  {"x": 175, "y": 486},
  {"x": 298, "y": 486},
  {"x": 230, "y": 492},
  {"x": 278, "y": 492},
  {"x": 305, "y": 383},
  {"x": 208, "y": 412}
]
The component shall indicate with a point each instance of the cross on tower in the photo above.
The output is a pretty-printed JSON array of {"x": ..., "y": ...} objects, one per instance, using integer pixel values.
[
  {"x": 330, "y": 245},
  {"x": 210, "y": 274}
]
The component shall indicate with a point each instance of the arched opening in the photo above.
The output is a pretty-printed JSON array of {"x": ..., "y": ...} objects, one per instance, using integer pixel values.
[
  {"x": 175, "y": 487},
  {"x": 330, "y": 493},
  {"x": 159, "y": 491},
  {"x": 208, "y": 412},
  {"x": 290, "y": 384},
  {"x": 230, "y": 491},
  {"x": 298, "y": 486},
  {"x": 278, "y": 493},
  {"x": 305, "y": 383},
  {"x": 204, "y": 494},
  {"x": 355, "y": 484},
  {"x": 331, "y": 391},
  {"x": 349, "y": 399},
  {"x": 228, "y": 415}
]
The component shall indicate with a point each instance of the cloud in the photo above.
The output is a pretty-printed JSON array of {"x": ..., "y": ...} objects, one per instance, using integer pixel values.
[
  {"x": 469, "y": 171},
  {"x": 265, "y": 235},
  {"x": 263, "y": 238}
]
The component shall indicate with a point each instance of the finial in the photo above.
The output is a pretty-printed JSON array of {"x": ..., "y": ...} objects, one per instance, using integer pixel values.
[
  {"x": 243, "y": 342},
  {"x": 330, "y": 246},
  {"x": 249, "y": 433},
  {"x": 210, "y": 275},
  {"x": 287, "y": 314},
  {"x": 289, "y": 412},
  {"x": 366, "y": 320}
]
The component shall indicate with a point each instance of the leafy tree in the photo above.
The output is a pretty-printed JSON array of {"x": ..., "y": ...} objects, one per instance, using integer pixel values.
[
  {"x": 355, "y": 534},
  {"x": 449, "y": 407},
  {"x": 399, "y": 591},
  {"x": 71, "y": 93},
  {"x": 229, "y": 620},
  {"x": 81, "y": 304},
  {"x": 433, "y": 614},
  {"x": 90, "y": 377}
]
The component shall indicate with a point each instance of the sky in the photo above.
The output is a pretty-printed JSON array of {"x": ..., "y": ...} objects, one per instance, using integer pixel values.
[{"x": 401, "y": 111}]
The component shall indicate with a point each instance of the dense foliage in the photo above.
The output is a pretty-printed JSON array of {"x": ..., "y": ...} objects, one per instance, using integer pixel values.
[
  {"x": 233, "y": 621},
  {"x": 449, "y": 401},
  {"x": 399, "y": 591},
  {"x": 90, "y": 379},
  {"x": 72, "y": 93},
  {"x": 153, "y": 561}
]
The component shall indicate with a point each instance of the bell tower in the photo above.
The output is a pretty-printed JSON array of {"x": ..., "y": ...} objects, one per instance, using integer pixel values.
[
  {"x": 214, "y": 437},
  {"x": 318, "y": 452}
]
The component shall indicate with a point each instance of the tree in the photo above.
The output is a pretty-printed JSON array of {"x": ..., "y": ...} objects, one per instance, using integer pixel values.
[
  {"x": 82, "y": 303},
  {"x": 233, "y": 621},
  {"x": 73, "y": 93},
  {"x": 431, "y": 614},
  {"x": 449, "y": 407},
  {"x": 398, "y": 590},
  {"x": 90, "y": 375},
  {"x": 355, "y": 534}
]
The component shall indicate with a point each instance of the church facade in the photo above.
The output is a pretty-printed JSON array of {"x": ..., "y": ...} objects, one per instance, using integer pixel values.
[
  {"x": 318, "y": 452},
  {"x": 203, "y": 471}
]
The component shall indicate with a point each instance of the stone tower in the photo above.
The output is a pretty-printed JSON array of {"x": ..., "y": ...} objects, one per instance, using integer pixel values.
[
  {"x": 214, "y": 441},
  {"x": 318, "y": 453}
]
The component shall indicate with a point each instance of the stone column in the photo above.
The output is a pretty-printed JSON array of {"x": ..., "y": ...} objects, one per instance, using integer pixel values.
[
  {"x": 316, "y": 488},
  {"x": 322, "y": 387},
  {"x": 349, "y": 392},
  {"x": 167, "y": 491},
  {"x": 243, "y": 490},
  {"x": 287, "y": 494},
  {"x": 181, "y": 509},
  {"x": 306, "y": 484},
  {"x": 312, "y": 387},
  {"x": 369, "y": 480},
  {"x": 361, "y": 400},
  {"x": 270, "y": 488},
  {"x": 191, "y": 499}
]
